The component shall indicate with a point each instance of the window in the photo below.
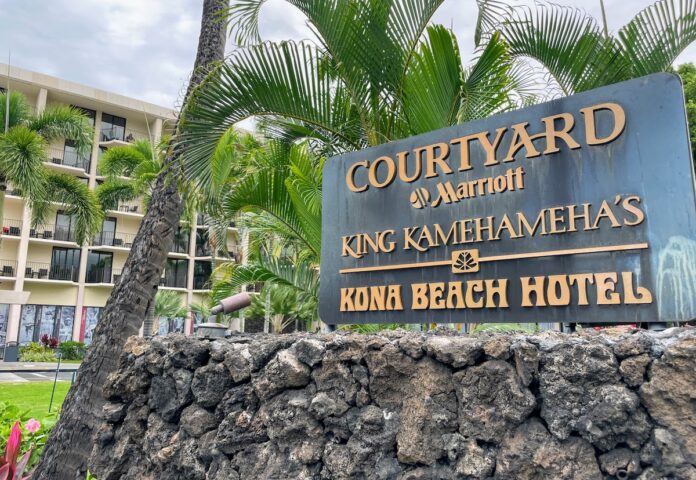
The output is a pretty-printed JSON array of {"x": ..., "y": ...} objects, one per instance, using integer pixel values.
[
  {"x": 202, "y": 244},
  {"x": 65, "y": 227},
  {"x": 99, "y": 267},
  {"x": 65, "y": 264},
  {"x": 4, "y": 313},
  {"x": 92, "y": 315},
  {"x": 108, "y": 232},
  {"x": 201, "y": 275},
  {"x": 70, "y": 156},
  {"x": 175, "y": 273},
  {"x": 170, "y": 325},
  {"x": 181, "y": 240},
  {"x": 112, "y": 128},
  {"x": 51, "y": 320}
]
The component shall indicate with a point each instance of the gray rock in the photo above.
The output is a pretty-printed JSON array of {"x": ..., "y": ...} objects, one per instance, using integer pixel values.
[
  {"x": 210, "y": 383},
  {"x": 282, "y": 372},
  {"x": 309, "y": 351},
  {"x": 196, "y": 420},
  {"x": 323, "y": 405},
  {"x": 633, "y": 369},
  {"x": 530, "y": 452},
  {"x": 456, "y": 351},
  {"x": 492, "y": 401}
]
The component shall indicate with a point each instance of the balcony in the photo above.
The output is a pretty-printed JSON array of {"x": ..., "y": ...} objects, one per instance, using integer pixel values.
[
  {"x": 116, "y": 240},
  {"x": 11, "y": 227},
  {"x": 8, "y": 268},
  {"x": 128, "y": 209},
  {"x": 46, "y": 271},
  {"x": 52, "y": 232},
  {"x": 103, "y": 275},
  {"x": 68, "y": 160},
  {"x": 117, "y": 136}
]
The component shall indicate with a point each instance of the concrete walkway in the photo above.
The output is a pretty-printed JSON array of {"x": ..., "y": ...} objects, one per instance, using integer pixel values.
[{"x": 19, "y": 372}]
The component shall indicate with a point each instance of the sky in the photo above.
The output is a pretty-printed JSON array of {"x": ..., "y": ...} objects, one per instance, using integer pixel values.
[{"x": 145, "y": 48}]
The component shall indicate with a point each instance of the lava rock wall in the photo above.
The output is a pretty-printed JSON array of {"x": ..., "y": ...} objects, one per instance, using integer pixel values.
[{"x": 402, "y": 405}]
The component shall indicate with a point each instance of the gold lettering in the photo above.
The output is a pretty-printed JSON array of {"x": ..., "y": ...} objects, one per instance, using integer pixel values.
[
  {"x": 520, "y": 139},
  {"x": 606, "y": 284},
  {"x": 350, "y": 177},
  {"x": 591, "y": 128},
  {"x": 564, "y": 134},
  {"x": 347, "y": 300},
  {"x": 558, "y": 292},
  {"x": 420, "y": 297},
  {"x": 500, "y": 290},
  {"x": 537, "y": 288},
  {"x": 631, "y": 297},
  {"x": 391, "y": 172},
  {"x": 582, "y": 279}
]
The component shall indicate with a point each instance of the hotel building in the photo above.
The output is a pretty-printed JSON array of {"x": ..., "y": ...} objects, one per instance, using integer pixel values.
[{"x": 50, "y": 284}]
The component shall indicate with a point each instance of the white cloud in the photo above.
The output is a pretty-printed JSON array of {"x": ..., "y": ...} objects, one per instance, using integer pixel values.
[{"x": 146, "y": 48}]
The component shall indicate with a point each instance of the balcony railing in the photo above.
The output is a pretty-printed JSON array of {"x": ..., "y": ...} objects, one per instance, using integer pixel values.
[
  {"x": 111, "y": 239},
  {"x": 8, "y": 268},
  {"x": 47, "y": 271},
  {"x": 53, "y": 232},
  {"x": 11, "y": 227},
  {"x": 68, "y": 158},
  {"x": 102, "y": 275},
  {"x": 115, "y": 132},
  {"x": 129, "y": 208}
]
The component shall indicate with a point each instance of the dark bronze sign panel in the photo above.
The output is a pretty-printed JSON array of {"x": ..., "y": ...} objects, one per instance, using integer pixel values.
[{"x": 577, "y": 210}]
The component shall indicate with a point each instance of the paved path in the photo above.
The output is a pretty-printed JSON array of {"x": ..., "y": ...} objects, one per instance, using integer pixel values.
[{"x": 19, "y": 372}]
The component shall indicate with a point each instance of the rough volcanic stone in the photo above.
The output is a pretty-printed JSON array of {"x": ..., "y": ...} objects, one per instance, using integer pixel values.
[
  {"x": 632, "y": 369},
  {"x": 282, "y": 372},
  {"x": 210, "y": 383},
  {"x": 621, "y": 460},
  {"x": 636, "y": 344},
  {"x": 170, "y": 393},
  {"x": 670, "y": 395},
  {"x": 498, "y": 347},
  {"x": 492, "y": 401},
  {"x": 456, "y": 351},
  {"x": 196, "y": 420},
  {"x": 582, "y": 392},
  {"x": 526, "y": 358},
  {"x": 402, "y": 405},
  {"x": 530, "y": 452},
  {"x": 309, "y": 351}
]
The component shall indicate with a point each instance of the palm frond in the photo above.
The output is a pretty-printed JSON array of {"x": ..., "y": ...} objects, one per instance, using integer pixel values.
[
  {"x": 19, "y": 109},
  {"x": 168, "y": 304},
  {"x": 243, "y": 19},
  {"x": 22, "y": 153},
  {"x": 65, "y": 122},
  {"x": 114, "y": 191},
  {"x": 433, "y": 85},
  {"x": 568, "y": 43},
  {"x": 490, "y": 15},
  {"x": 262, "y": 80},
  {"x": 122, "y": 160},
  {"x": 655, "y": 37},
  {"x": 77, "y": 200}
]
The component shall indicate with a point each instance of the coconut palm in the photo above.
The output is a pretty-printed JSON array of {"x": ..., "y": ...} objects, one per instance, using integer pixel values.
[
  {"x": 23, "y": 151},
  {"x": 374, "y": 72},
  {"x": 579, "y": 54}
]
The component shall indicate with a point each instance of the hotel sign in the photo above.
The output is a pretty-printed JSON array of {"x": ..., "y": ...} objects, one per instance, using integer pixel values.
[{"x": 577, "y": 210}]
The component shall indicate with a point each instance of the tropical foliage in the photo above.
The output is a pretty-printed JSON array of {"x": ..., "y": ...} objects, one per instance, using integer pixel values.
[
  {"x": 579, "y": 54},
  {"x": 281, "y": 206},
  {"x": 131, "y": 172},
  {"x": 21, "y": 436},
  {"x": 24, "y": 149}
]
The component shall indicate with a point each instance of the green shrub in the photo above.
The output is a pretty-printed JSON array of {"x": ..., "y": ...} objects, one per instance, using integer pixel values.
[
  {"x": 36, "y": 353},
  {"x": 71, "y": 350},
  {"x": 9, "y": 414}
]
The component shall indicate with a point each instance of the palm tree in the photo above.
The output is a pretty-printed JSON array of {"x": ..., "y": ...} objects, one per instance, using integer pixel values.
[
  {"x": 579, "y": 54},
  {"x": 168, "y": 304},
  {"x": 131, "y": 172},
  {"x": 375, "y": 71},
  {"x": 67, "y": 451},
  {"x": 23, "y": 151},
  {"x": 281, "y": 207}
]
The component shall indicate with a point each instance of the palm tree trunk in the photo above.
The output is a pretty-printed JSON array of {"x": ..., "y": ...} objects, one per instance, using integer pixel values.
[{"x": 67, "y": 451}]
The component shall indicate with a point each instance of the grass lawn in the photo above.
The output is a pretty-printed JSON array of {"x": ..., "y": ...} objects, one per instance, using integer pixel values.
[{"x": 34, "y": 396}]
